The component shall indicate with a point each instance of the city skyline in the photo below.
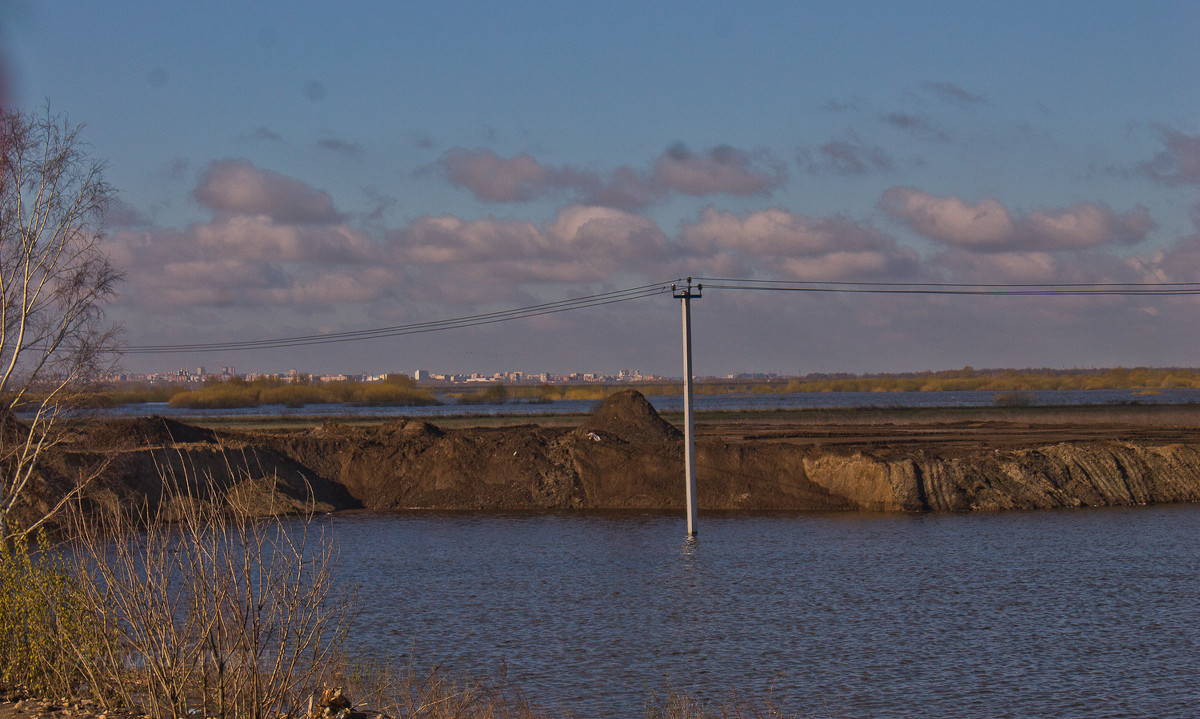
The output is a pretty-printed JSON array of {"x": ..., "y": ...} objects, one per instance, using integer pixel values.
[
  {"x": 299, "y": 169},
  {"x": 202, "y": 373}
]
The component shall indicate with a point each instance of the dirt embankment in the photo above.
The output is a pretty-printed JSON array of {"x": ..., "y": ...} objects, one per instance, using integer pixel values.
[
  {"x": 626, "y": 456},
  {"x": 136, "y": 463}
]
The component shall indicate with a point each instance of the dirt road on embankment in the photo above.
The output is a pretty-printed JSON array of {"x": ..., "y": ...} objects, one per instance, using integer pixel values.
[{"x": 626, "y": 456}]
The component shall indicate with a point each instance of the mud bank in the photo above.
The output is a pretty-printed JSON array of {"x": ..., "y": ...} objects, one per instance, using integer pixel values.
[{"x": 626, "y": 456}]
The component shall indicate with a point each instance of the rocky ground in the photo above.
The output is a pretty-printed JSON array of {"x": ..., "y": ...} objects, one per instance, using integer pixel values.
[
  {"x": 15, "y": 704},
  {"x": 18, "y": 705}
]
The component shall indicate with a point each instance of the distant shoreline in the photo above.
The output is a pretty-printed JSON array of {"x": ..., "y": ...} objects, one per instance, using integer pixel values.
[{"x": 1138, "y": 414}]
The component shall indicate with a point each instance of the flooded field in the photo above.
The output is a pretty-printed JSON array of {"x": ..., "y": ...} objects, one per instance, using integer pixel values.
[{"x": 1081, "y": 613}]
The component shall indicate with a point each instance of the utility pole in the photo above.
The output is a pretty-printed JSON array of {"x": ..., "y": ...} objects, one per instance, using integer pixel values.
[{"x": 689, "y": 429}]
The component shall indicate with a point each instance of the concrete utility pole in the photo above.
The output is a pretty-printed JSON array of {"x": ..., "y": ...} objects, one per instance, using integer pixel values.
[{"x": 689, "y": 430}]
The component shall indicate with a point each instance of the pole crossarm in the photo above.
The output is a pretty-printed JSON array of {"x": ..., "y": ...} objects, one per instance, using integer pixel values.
[{"x": 686, "y": 292}]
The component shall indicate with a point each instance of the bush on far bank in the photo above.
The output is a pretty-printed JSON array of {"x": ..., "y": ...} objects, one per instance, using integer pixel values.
[{"x": 235, "y": 394}]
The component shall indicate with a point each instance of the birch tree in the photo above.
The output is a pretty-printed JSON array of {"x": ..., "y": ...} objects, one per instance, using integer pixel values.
[{"x": 55, "y": 282}]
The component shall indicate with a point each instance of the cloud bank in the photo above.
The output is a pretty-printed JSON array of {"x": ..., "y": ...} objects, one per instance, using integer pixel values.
[
  {"x": 274, "y": 240},
  {"x": 275, "y": 244},
  {"x": 988, "y": 226}
]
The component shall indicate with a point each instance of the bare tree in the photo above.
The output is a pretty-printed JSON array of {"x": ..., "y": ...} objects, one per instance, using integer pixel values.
[{"x": 55, "y": 282}]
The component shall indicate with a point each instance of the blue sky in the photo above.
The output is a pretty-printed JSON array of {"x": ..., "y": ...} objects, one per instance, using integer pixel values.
[{"x": 295, "y": 168}]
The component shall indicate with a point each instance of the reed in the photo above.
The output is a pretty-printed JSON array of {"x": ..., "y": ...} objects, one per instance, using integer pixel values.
[
  {"x": 232, "y": 395},
  {"x": 217, "y": 398},
  {"x": 492, "y": 394}
]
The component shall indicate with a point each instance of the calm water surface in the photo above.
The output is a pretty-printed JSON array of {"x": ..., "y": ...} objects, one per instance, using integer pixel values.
[
  {"x": 1084, "y": 613},
  {"x": 703, "y": 403}
]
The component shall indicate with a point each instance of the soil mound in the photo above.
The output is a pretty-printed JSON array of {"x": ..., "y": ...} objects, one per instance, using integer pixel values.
[
  {"x": 155, "y": 431},
  {"x": 332, "y": 429},
  {"x": 405, "y": 430},
  {"x": 419, "y": 428},
  {"x": 627, "y": 416}
]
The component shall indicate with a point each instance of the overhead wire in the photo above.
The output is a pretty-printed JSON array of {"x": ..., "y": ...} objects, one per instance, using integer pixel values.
[
  {"x": 957, "y": 288},
  {"x": 545, "y": 308},
  {"x": 658, "y": 288},
  {"x": 941, "y": 284}
]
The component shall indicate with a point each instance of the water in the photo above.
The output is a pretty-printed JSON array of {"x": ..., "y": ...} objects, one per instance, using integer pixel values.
[
  {"x": 674, "y": 403},
  {"x": 1083, "y": 613}
]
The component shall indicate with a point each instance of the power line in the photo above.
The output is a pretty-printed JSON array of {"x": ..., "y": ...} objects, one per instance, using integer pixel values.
[
  {"x": 657, "y": 288},
  {"x": 946, "y": 284},
  {"x": 955, "y": 288},
  {"x": 545, "y": 308}
]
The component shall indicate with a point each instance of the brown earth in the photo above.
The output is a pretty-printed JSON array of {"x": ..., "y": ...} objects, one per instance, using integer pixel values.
[{"x": 627, "y": 456}]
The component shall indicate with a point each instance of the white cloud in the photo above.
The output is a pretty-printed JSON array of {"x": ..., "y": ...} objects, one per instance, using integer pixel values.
[
  {"x": 496, "y": 179},
  {"x": 775, "y": 241},
  {"x": 582, "y": 244},
  {"x": 238, "y": 187},
  {"x": 988, "y": 226}
]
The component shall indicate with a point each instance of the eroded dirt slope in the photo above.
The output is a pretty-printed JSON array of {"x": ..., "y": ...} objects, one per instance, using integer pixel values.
[{"x": 627, "y": 456}]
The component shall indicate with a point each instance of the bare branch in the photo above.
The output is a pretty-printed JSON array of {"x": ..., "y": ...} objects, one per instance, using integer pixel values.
[{"x": 55, "y": 282}]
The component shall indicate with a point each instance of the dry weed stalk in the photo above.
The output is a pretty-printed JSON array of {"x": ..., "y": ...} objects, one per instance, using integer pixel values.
[
  {"x": 410, "y": 691},
  {"x": 211, "y": 610}
]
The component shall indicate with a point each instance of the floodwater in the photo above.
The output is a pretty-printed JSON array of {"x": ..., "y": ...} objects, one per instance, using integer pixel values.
[
  {"x": 702, "y": 403},
  {"x": 1079, "y": 613}
]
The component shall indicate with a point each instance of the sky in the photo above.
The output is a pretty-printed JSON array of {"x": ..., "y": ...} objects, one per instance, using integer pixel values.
[{"x": 303, "y": 168}]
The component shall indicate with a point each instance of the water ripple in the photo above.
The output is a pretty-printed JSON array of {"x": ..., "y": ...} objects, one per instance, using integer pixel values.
[{"x": 1085, "y": 613}]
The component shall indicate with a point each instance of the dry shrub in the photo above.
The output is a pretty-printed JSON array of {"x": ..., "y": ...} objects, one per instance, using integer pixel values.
[
  {"x": 42, "y": 607},
  {"x": 211, "y": 611}
]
